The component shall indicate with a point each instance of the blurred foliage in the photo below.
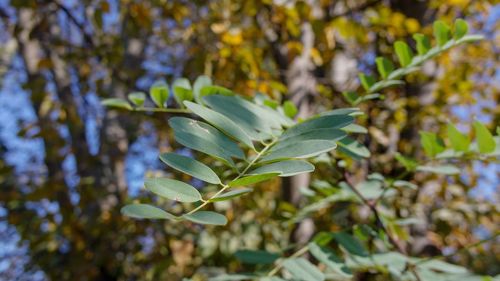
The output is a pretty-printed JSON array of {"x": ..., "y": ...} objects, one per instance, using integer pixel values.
[{"x": 307, "y": 51}]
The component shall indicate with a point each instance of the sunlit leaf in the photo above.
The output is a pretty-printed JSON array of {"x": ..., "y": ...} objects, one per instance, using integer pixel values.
[
  {"x": 200, "y": 82},
  {"x": 384, "y": 66},
  {"x": 249, "y": 180},
  {"x": 117, "y": 103},
  {"x": 459, "y": 141},
  {"x": 145, "y": 211},
  {"x": 173, "y": 189},
  {"x": 441, "y": 32},
  {"x": 159, "y": 93},
  {"x": 431, "y": 143},
  {"x": 190, "y": 166},
  {"x": 137, "y": 98},
  {"x": 290, "y": 109},
  {"x": 485, "y": 141},
  {"x": 423, "y": 43},
  {"x": 403, "y": 52},
  {"x": 460, "y": 28},
  {"x": 182, "y": 90},
  {"x": 366, "y": 81}
]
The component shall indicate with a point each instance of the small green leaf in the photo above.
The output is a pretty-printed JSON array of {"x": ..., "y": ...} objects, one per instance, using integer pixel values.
[
  {"x": 117, "y": 103},
  {"x": 322, "y": 122},
  {"x": 221, "y": 122},
  {"x": 231, "y": 194},
  {"x": 182, "y": 90},
  {"x": 190, "y": 166},
  {"x": 485, "y": 141},
  {"x": 137, "y": 98},
  {"x": 402, "y": 183},
  {"x": 351, "y": 244},
  {"x": 460, "y": 29},
  {"x": 409, "y": 163},
  {"x": 286, "y": 168},
  {"x": 302, "y": 269},
  {"x": 443, "y": 169},
  {"x": 206, "y": 217},
  {"x": 459, "y": 141},
  {"x": 431, "y": 143},
  {"x": 159, "y": 93},
  {"x": 201, "y": 82},
  {"x": 145, "y": 211},
  {"x": 353, "y": 148},
  {"x": 256, "y": 256},
  {"x": 441, "y": 32},
  {"x": 301, "y": 149},
  {"x": 290, "y": 109},
  {"x": 366, "y": 81},
  {"x": 248, "y": 180},
  {"x": 213, "y": 90},
  {"x": 330, "y": 259},
  {"x": 423, "y": 43},
  {"x": 384, "y": 66},
  {"x": 351, "y": 97},
  {"x": 355, "y": 128},
  {"x": 323, "y": 238},
  {"x": 173, "y": 189},
  {"x": 206, "y": 134},
  {"x": 403, "y": 52}
]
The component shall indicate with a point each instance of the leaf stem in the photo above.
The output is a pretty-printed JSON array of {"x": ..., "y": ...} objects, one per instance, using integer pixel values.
[
  {"x": 242, "y": 173},
  {"x": 278, "y": 266}
]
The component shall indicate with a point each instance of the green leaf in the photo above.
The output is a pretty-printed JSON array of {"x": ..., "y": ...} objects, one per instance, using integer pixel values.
[
  {"x": 366, "y": 81},
  {"x": 221, "y": 122},
  {"x": 330, "y": 259},
  {"x": 301, "y": 149},
  {"x": 145, "y": 211},
  {"x": 201, "y": 82},
  {"x": 290, "y": 109},
  {"x": 441, "y": 32},
  {"x": 117, "y": 103},
  {"x": 353, "y": 148},
  {"x": 322, "y": 122},
  {"x": 190, "y": 166},
  {"x": 159, "y": 93},
  {"x": 204, "y": 145},
  {"x": 173, "y": 189},
  {"x": 242, "y": 113},
  {"x": 459, "y": 141},
  {"x": 206, "y": 217},
  {"x": 431, "y": 143},
  {"x": 423, "y": 43},
  {"x": 402, "y": 183},
  {"x": 355, "y": 128},
  {"x": 385, "y": 84},
  {"x": 231, "y": 194},
  {"x": 485, "y": 141},
  {"x": 182, "y": 90},
  {"x": 286, "y": 168},
  {"x": 302, "y": 269},
  {"x": 317, "y": 134},
  {"x": 323, "y": 238},
  {"x": 256, "y": 256},
  {"x": 409, "y": 163},
  {"x": 442, "y": 266},
  {"x": 403, "y": 52},
  {"x": 137, "y": 98},
  {"x": 231, "y": 277},
  {"x": 460, "y": 29},
  {"x": 213, "y": 90},
  {"x": 443, "y": 169},
  {"x": 384, "y": 66},
  {"x": 351, "y": 97},
  {"x": 249, "y": 180},
  {"x": 207, "y": 133},
  {"x": 349, "y": 243}
]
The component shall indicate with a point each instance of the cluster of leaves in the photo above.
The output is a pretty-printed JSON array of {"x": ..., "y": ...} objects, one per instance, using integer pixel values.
[
  {"x": 256, "y": 140},
  {"x": 410, "y": 62}
]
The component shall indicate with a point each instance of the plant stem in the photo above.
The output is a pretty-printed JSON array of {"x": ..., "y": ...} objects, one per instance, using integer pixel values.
[{"x": 225, "y": 186}]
